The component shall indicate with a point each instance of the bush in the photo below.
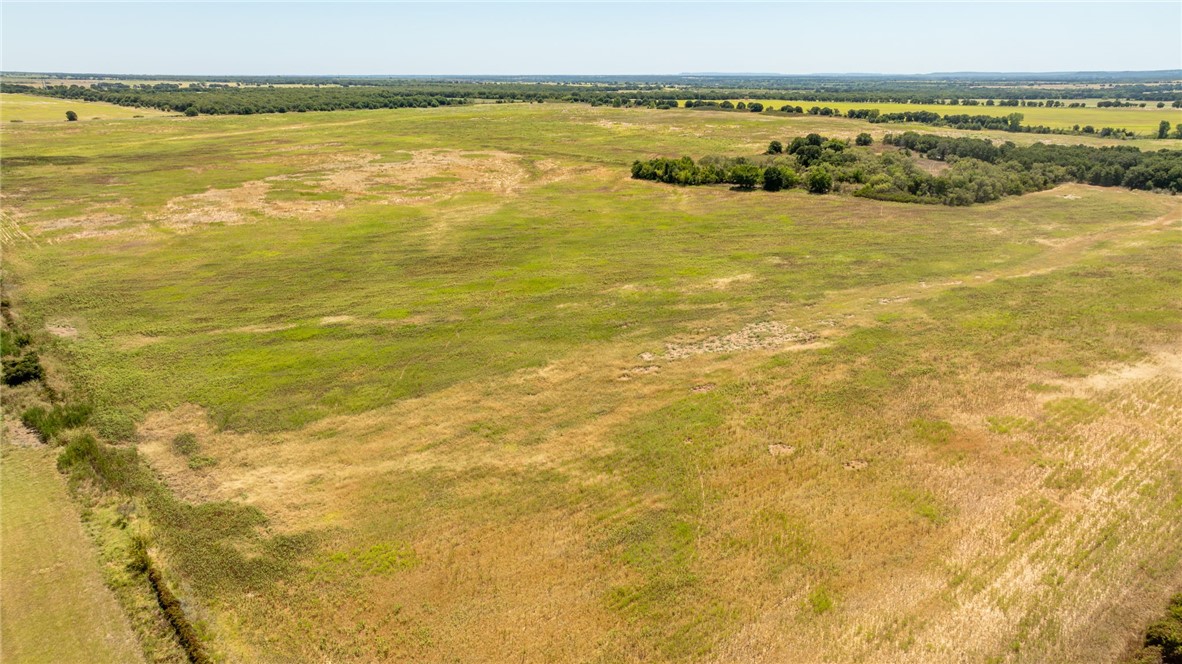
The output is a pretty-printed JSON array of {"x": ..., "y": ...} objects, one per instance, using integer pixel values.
[
  {"x": 47, "y": 424},
  {"x": 819, "y": 180},
  {"x": 11, "y": 342},
  {"x": 1167, "y": 633},
  {"x": 185, "y": 444},
  {"x": 107, "y": 467},
  {"x": 775, "y": 147},
  {"x": 71, "y": 116},
  {"x": 776, "y": 178},
  {"x": 745, "y": 176},
  {"x": 864, "y": 139},
  {"x": 191, "y": 112},
  {"x": 22, "y": 369}
]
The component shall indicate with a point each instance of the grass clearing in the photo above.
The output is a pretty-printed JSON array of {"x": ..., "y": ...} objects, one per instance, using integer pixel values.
[
  {"x": 522, "y": 407},
  {"x": 55, "y": 607},
  {"x": 15, "y": 107}
]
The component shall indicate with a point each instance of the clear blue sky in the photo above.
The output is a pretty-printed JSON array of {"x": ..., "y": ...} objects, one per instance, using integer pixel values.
[{"x": 589, "y": 38}]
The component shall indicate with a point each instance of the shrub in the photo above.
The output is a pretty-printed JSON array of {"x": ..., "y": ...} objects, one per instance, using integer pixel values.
[
  {"x": 186, "y": 444},
  {"x": 819, "y": 180},
  {"x": 71, "y": 116},
  {"x": 12, "y": 342},
  {"x": 47, "y": 424},
  {"x": 775, "y": 147},
  {"x": 864, "y": 139},
  {"x": 22, "y": 369},
  {"x": 1167, "y": 633},
  {"x": 107, "y": 467}
]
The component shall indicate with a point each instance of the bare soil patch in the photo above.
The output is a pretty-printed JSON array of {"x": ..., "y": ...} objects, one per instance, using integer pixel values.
[{"x": 769, "y": 334}]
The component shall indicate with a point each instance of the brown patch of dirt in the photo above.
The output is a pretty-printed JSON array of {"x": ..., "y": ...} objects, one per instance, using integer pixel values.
[
  {"x": 855, "y": 464},
  {"x": 333, "y": 320},
  {"x": 780, "y": 450},
  {"x": 704, "y": 387},
  {"x": 629, "y": 374},
  {"x": 933, "y": 166},
  {"x": 458, "y": 172},
  {"x": 429, "y": 175},
  {"x": 725, "y": 282},
  {"x": 1163, "y": 364},
  {"x": 770, "y": 334},
  {"x": 62, "y": 331},
  {"x": 16, "y": 433},
  {"x": 135, "y": 341},
  {"x": 84, "y": 221},
  {"x": 215, "y": 206}
]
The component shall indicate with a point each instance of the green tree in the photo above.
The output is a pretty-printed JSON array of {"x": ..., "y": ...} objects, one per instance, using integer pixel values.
[
  {"x": 745, "y": 176},
  {"x": 776, "y": 147},
  {"x": 1163, "y": 129},
  {"x": 191, "y": 112},
  {"x": 819, "y": 180},
  {"x": 864, "y": 139},
  {"x": 773, "y": 180},
  {"x": 71, "y": 116}
]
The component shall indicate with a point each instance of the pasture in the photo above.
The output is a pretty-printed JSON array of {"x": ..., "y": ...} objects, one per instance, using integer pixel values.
[
  {"x": 33, "y": 108},
  {"x": 477, "y": 395},
  {"x": 1141, "y": 121}
]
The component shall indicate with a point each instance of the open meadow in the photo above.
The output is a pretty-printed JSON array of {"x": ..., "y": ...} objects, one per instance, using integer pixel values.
[
  {"x": 447, "y": 385},
  {"x": 32, "y": 108},
  {"x": 1140, "y": 121}
]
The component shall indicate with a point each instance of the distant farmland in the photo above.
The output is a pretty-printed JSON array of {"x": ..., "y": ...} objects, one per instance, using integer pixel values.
[
  {"x": 1142, "y": 121},
  {"x": 31, "y": 108}
]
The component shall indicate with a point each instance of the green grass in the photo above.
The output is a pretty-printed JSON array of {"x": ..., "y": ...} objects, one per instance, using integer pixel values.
[{"x": 34, "y": 108}]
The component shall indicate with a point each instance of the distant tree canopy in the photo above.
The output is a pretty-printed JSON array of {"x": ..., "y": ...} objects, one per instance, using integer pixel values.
[
  {"x": 280, "y": 94},
  {"x": 979, "y": 170},
  {"x": 71, "y": 116}
]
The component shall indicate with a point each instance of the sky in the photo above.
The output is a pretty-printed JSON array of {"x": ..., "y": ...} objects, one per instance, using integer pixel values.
[{"x": 588, "y": 37}]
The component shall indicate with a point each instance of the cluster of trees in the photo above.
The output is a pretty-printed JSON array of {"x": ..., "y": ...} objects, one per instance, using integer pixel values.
[
  {"x": 806, "y": 161},
  {"x": 979, "y": 170},
  {"x": 1104, "y": 166}
]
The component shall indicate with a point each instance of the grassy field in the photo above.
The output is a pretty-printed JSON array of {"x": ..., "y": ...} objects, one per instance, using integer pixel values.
[
  {"x": 1142, "y": 121},
  {"x": 476, "y": 395},
  {"x": 32, "y": 108},
  {"x": 55, "y": 607}
]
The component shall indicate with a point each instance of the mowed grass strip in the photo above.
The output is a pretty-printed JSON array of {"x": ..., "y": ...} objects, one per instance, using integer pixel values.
[{"x": 55, "y": 607}]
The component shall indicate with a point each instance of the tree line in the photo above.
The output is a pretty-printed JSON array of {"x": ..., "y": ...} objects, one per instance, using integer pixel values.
[
  {"x": 979, "y": 170},
  {"x": 243, "y": 95}
]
